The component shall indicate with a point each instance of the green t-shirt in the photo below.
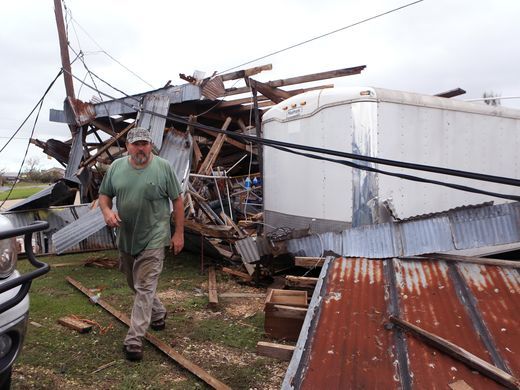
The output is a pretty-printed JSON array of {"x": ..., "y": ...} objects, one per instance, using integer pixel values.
[{"x": 142, "y": 202}]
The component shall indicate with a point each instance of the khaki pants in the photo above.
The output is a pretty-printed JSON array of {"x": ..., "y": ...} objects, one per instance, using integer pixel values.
[{"x": 142, "y": 275}]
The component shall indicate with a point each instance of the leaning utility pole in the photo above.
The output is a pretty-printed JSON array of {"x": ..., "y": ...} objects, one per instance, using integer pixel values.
[{"x": 64, "y": 50}]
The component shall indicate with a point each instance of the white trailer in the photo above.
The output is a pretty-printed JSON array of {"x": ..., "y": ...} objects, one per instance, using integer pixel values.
[{"x": 302, "y": 192}]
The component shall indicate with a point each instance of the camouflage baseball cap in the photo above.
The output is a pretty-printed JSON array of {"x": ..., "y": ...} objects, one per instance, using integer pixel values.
[{"x": 138, "y": 134}]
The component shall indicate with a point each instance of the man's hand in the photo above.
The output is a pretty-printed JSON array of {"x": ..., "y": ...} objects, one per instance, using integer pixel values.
[
  {"x": 111, "y": 218},
  {"x": 177, "y": 243}
]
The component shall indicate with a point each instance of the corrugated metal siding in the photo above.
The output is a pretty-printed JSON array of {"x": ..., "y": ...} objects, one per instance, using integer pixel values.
[
  {"x": 486, "y": 225},
  {"x": 248, "y": 250},
  {"x": 60, "y": 218},
  {"x": 75, "y": 156},
  {"x": 458, "y": 229},
  {"x": 46, "y": 192},
  {"x": 83, "y": 226},
  {"x": 155, "y": 124},
  {"x": 177, "y": 148},
  {"x": 347, "y": 345}
]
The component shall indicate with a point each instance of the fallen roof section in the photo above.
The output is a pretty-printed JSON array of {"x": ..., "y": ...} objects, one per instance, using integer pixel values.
[
  {"x": 456, "y": 229},
  {"x": 345, "y": 344}
]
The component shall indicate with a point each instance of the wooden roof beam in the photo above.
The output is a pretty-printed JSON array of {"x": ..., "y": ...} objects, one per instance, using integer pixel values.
[{"x": 303, "y": 79}]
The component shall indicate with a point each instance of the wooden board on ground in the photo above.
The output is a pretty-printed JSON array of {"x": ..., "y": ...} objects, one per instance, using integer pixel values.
[
  {"x": 75, "y": 324},
  {"x": 273, "y": 350},
  {"x": 192, "y": 367},
  {"x": 233, "y": 272},
  {"x": 212, "y": 287}
]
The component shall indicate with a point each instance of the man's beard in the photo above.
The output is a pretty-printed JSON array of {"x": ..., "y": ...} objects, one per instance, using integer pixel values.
[{"x": 140, "y": 158}]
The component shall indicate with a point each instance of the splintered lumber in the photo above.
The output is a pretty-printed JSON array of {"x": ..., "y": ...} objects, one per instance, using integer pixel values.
[
  {"x": 106, "y": 146},
  {"x": 459, "y": 353},
  {"x": 475, "y": 260},
  {"x": 240, "y": 74},
  {"x": 190, "y": 366},
  {"x": 212, "y": 287},
  {"x": 300, "y": 281},
  {"x": 220, "y": 231},
  {"x": 303, "y": 79},
  {"x": 233, "y": 272},
  {"x": 275, "y": 94},
  {"x": 207, "y": 164},
  {"x": 75, "y": 324},
  {"x": 309, "y": 262},
  {"x": 274, "y": 350},
  {"x": 228, "y": 221}
]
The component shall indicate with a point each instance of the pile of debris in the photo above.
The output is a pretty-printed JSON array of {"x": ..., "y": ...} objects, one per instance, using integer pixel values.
[{"x": 220, "y": 172}]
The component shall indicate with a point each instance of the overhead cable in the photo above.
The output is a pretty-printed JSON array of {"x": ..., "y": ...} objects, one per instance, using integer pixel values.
[
  {"x": 323, "y": 35},
  {"x": 34, "y": 108},
  {"x": 336, "y": 153}
]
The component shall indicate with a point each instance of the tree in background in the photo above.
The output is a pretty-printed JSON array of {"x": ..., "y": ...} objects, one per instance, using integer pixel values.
[
  {"x": 32, "y": 170},
  {"x": 491, "y": 98},
  {"x": 2, "y": 178}
]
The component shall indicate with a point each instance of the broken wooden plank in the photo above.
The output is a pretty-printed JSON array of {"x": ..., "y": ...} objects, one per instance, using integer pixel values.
[
  {"x": 300, "y": 281},
  {"x": 207, "y": 164},
  {"x": 75, "y": 324},
  {"x": 309, "y": 262},
  {"x": 474, "y": 260},
  {"x": 303, "y": 79},
  {"x": 275, "y": 94},
  {"x": 233, "y": 272},
  {"x": 459, "y": 353},
  {"x": 274, "y": 350},
  {"x": 212, "y": 287},
  {"x": 240, "y": 74},
  {"x": 228, "y": 221},
  {"x": 232, "y": 295},
  {"x": 106, "y": 146},
  {"x": 217, "y": 231},
  {"x": 451, "y": 93},
  {"x": 190, "y": 366}
]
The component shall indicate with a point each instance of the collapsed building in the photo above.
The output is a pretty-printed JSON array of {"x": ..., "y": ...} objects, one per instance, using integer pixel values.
[{"x": 379, "y": 243}]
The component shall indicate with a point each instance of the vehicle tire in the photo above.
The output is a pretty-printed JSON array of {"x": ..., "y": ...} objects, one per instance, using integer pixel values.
[{"x": 5, "y": 379}]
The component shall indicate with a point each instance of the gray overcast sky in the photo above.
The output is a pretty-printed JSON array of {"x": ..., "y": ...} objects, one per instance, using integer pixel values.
[{"x": 430, "y": 47}]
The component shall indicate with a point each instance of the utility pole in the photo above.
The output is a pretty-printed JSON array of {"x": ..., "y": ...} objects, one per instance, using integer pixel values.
[{"x": 64, "y": 50}]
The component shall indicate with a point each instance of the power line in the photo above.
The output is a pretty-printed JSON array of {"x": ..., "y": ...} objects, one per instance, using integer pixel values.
[
  {"x": 26, "y": 149},
  {"x": 323, "y": 35},
  {"x": 352, "y": 156},
  {"x": 103, "y": 50},
  {"x": 28, "y": 116}
]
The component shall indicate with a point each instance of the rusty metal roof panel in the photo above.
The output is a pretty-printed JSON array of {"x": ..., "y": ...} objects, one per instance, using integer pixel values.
[
  {"x": 346, "y": 344},
  {"x": 350, "y": 348},
  {"x": 429, "y": 298},
  {"x": 497, "y": 292}
]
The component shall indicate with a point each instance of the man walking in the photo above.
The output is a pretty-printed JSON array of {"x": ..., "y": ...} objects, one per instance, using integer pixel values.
[{"x": 143, "y": 184}]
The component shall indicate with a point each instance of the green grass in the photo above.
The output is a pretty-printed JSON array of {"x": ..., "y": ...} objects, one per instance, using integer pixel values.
[
  {"x": 69, "y": 358},
  {"x": 20, "y": 192}
]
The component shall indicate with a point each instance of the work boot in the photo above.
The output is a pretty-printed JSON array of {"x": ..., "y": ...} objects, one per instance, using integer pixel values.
[
  {"x": 133, "y": 352},
  {"x": 159, "y": 324}
]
